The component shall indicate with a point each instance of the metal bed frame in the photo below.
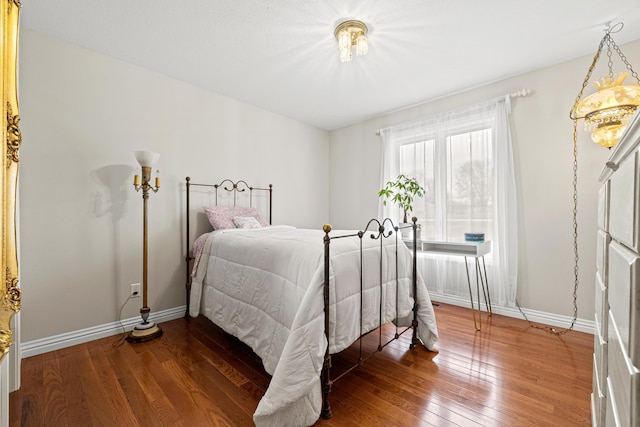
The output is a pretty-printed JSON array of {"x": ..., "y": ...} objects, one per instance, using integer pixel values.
[
  {"x": 378, "y": 233},
  {"x": 374, "y": 230},
  {"x": 230, "y": 187}
]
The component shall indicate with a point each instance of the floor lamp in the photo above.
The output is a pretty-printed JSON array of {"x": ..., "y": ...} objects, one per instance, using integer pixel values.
[{"x": 145, "y": 330}]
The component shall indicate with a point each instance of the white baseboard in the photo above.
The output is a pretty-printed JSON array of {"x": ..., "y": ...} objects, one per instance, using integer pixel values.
[
  {"x": 56, "y": 342},
  {"x": 540, "y": 317}
]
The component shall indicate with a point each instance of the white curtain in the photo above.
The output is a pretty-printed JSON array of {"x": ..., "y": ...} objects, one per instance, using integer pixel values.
[
  {"x": 446, "y": 274},
  {"x": 505, "y": 250},
  {"x": 389, "y": 168}
]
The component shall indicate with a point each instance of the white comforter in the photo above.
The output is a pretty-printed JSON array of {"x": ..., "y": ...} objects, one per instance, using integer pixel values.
[{"x": 265, "y": 286}]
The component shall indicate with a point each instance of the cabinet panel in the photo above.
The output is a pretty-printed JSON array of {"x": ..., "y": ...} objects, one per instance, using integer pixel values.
[
  {"x": 624, "y": 293},
  {"x": 623, "y": 381},
  {"x": 600, "y": 356},
  {"x": 598, "y": 401},
  {"x": 603, "y": 207},
  {"x": 623, "y": 203},
  {"x": 611, "y": 415},
  {"x": 602, "y": 254},
  {"x": 602, "y": 307}
]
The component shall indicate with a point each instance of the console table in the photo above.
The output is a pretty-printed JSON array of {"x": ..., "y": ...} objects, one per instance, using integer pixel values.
[{"x": 476, "y": 250}]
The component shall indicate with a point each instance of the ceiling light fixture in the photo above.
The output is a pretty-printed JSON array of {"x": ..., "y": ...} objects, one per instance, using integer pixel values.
[
  {"x": 351, "y": 33},
  {"x": 607, "y": 112}
]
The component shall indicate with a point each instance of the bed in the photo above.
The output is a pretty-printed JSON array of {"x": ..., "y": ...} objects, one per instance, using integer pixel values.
[{"x": 297, "y": 296}]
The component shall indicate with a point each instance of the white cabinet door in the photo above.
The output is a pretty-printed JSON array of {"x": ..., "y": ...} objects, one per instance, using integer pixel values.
[
  {"x": 624, "y": 297},
  {"x": 623, "y": 203}
]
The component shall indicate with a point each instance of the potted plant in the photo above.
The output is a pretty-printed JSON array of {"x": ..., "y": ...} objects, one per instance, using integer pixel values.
[{"x": 402, "y": 191}]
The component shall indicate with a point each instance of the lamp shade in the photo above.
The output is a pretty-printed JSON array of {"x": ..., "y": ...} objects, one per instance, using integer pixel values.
[
  {"x": 146, "y": 158},
  {"x": 608, "y": 111}
]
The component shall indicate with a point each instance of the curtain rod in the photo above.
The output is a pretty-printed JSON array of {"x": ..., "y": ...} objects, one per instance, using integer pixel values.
[{"x": 517, "y": 94}]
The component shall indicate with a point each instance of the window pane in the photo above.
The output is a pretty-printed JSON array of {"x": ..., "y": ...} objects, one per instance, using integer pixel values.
[
  {"x": 469, "y": 185},
  {"x": 417, "y": 161}
]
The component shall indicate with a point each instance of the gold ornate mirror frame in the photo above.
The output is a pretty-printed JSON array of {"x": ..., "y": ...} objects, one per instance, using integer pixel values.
[{"x": 10, "y": 297}]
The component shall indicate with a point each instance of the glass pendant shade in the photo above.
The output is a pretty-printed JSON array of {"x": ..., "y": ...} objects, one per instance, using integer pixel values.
[
  {"x": 362, "y": 46},
  {"x": 349, "y": 34},
  {"x": 607, "y": 112},
  {"x": 344, "y": 44}
]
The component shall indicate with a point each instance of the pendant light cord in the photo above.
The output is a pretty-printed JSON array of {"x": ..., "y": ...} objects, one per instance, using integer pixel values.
[
  {"x": 574, "y": 117},
  {"x": 576, "y": 258}
]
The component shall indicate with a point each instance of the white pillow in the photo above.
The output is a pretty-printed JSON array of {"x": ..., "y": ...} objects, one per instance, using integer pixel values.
[{"x": 246, "y": 222}]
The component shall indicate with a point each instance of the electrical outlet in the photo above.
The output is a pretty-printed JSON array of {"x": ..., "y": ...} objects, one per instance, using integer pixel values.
[{"x": 135, "y": 289}]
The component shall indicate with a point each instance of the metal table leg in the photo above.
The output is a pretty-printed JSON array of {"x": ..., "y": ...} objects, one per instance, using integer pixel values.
[
  {"x": 487, "y": 296},
  {"x": 473, "y": 311},
  {"x": 481, "y": 280}
]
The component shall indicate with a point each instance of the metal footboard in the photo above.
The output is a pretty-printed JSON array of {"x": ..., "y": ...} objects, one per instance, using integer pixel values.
[{"x": 378, "y": 231}]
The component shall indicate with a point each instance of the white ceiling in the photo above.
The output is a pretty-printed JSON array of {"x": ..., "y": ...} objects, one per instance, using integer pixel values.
[{"x": 281, "y": 55}]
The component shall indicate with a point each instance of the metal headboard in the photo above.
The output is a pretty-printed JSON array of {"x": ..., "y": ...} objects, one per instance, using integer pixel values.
[{"x": 228, "y": 186}]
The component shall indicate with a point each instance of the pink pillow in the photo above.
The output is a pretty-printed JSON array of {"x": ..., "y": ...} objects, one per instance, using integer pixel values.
[{"x": 221, "y": 217}]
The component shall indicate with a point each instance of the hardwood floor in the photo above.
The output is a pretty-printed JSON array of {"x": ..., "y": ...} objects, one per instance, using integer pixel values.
[{"x": 196, "y": 375}]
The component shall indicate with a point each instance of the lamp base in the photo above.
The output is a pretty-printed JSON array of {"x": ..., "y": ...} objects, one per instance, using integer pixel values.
[{"x": 144, "y": 331}]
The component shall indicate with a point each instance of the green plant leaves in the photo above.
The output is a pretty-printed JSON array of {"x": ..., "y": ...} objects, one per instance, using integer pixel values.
[{"x": 402, "y": 192}]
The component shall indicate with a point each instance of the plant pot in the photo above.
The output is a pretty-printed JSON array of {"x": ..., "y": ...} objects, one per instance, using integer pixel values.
[{"x": 406, "y": 230}]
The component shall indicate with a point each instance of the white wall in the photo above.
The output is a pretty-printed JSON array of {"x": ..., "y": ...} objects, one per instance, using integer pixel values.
[
  {"x": 84, "y": 113},
  {"x": 81, "y": 220},
  {"x": 543, "y": 144}
]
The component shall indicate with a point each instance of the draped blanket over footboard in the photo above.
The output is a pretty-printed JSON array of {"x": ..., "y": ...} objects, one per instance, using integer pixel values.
[{"x": 265, "y": 286}]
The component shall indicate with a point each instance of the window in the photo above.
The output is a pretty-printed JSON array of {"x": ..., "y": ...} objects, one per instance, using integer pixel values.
[
  {"x": 462, "y": 189},
  {"x": 463, "y": 159}
]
